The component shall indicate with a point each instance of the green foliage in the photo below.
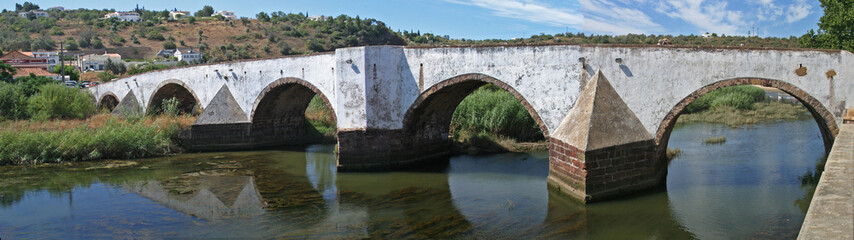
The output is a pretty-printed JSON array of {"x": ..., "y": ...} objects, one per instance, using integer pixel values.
[
  {"x": 115, "y": 140},
  {"x": 70, "y": 71},
  {"x": 191, "y": 20},
  {"x": 493, "y": 110},
  {"x": 106, "y": 76},
  {"x": 54, "y": 101},
  {"x": 97, "y": 44},
  {"x": 71, "y": 44},
  {"x": 7, "y": 72},
  {"x": 28, "y": 6},
  {"x": 206, "y": 11},
  {"x": 169, "y": 45},
  {"x": 30, "y": 85},
  {"x": 835, "y": 28},
  {"x": 145, "y": 68},
  {"x": 738, "y": 97},
  {"x": 13, "y": 103},
  {"x": 263, "y": 17},
  {"x": 171, "y": 107}
]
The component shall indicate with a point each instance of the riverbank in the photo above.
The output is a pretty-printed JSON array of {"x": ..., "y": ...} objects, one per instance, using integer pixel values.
[
  {"x": 102, "y": 136},
  {"x": 768, "y": 111}
]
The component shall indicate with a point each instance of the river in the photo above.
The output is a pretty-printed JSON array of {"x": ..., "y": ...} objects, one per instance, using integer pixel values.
[{"x": 747, "y": 187}]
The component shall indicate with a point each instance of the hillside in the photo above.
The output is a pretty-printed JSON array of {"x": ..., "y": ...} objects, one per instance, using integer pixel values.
[{"x": 272, "y": 35}]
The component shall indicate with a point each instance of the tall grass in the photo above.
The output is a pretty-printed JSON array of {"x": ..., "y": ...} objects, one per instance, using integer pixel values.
[
  {"x": 490, "y": 109},
  {"x": 737, "y": 97},
  {"x": 319, "y": 116},
  {"x": 13, "y": 103},
  {"x": 108, "y": 138},
  {"x": 56, "y": 101}
]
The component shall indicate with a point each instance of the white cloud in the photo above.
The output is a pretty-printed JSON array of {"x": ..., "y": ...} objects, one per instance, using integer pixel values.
[
  {"x": 608, "y": 17},
  {"x": 797, "y": 11},
  {"x": 711, "y": 16},
  {"x": 528, "y": 10}
]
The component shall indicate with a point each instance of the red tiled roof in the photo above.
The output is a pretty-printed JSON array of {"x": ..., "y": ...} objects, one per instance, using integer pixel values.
[
  {"x": 23, "y": 72},
  {"x": 15, "y": 55}
]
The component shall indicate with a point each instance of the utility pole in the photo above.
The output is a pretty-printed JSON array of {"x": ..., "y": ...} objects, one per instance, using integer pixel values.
[{"x": 61, "y": 61}]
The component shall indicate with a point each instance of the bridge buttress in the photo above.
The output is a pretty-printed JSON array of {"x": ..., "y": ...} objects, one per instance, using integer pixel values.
[{"x": 601, "y": 149}]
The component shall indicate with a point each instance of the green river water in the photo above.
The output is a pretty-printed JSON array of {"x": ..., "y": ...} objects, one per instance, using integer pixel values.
[{"x": 748, "y": 187}]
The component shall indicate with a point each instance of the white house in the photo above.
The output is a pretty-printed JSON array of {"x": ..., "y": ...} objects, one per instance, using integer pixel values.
[
  {"x": 175, "y": 15},
  {"x": 228, "y": 15},
  {"x": 97, "y": 62},
  {"x": 317, "y": 18},
  {"x": 52, "y": 58},
  {"x": 36, "y": 12},
  {"x": 124, "y": 16},
  {"x": 60, "y": 8},
  {"x": 188, "y": 55}
]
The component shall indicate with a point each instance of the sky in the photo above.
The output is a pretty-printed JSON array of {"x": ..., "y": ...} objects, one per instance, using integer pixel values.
[{"x": 505, "y": 19}]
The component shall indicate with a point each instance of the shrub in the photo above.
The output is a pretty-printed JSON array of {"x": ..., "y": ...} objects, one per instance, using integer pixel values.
[
  {"x": 56, "y": 101},
  {"x": 171, "y": 107},
  {"x": 13, "y": 104}
]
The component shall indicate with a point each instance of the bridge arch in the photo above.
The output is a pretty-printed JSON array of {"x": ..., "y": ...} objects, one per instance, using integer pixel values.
[
  {"x": 823, "y": 117},
  {"x": 177, "y": 89},
  {"x": 429, "y": 117},
  {"x": 108, "y": 101},
  {"x": 278, "y": 113}
]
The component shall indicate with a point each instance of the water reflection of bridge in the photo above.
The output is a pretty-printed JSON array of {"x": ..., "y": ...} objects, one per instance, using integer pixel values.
[{"x": 314, "y": 200}]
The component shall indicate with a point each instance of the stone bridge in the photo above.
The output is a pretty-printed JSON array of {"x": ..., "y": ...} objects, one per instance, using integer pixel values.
[{"x": 607, "y": 111}]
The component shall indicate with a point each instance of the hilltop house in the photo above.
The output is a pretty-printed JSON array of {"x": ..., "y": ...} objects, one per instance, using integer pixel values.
[
  {"x": 188, "y": 55},
  {"x": 36, "y": 12},
  {"x": 124, "y": 16},
  {"x": 182, "y": 54},
  {"x": 226, "y": 14},
  {"x": 175, "y": 15},
  {"x": 96, "y": 62},
  {"x": 60, "y": 8}
]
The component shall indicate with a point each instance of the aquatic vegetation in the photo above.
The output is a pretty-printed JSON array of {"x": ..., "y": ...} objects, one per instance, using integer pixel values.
[
  {"x": 761, "y": 112},
  {"x": 490, "y": 109},
  {"x": 737, "y": 97},
  {"x": 715, "y": 140}
]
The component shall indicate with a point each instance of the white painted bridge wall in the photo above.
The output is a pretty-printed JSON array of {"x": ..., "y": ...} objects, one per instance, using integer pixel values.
[{"x": 373, "y": 87}]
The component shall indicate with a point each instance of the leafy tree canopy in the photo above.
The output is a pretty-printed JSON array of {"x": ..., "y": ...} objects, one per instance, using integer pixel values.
[{"x": 835, "y": 28}]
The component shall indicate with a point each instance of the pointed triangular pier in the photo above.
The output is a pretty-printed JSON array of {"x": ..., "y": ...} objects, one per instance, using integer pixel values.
[
  {"x": 601, "y": 148},
  {"x": 128, "y": 106},
  {"x": 222, "y": 109}
]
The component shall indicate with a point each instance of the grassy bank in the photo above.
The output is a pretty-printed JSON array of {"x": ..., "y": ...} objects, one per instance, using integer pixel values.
[
  {"x": 99, "y": 137},
  {"x": 740, "y": 105},
  {"x": 761, "y": 112}
]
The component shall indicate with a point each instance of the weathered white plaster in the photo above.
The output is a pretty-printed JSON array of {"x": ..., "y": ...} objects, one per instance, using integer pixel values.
[{"x": 373, "y": 87}]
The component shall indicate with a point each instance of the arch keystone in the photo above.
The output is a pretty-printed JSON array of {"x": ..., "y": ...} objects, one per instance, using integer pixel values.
[{"x": 601, "y": 148}]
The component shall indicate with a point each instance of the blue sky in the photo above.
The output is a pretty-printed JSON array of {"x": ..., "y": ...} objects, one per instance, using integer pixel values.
[{"x": 481, "y": 19}]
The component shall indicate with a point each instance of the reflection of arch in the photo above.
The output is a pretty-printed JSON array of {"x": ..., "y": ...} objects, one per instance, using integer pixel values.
[
  {"x": 279, "y": 110},
  {"x": 174, "y": 88},
  {"x": 824, "y": 118},
  {"x": 108, "y": 101},
  {"x": 429, "y": 117}
]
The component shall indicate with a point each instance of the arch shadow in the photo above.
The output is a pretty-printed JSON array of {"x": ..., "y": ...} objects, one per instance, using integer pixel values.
[
  {"x": 178, "y": 89},
  {"x": 108, "y": 101},
  {"x": 278, "y": 113},
  {"x": 823, "y": 117},
  {"x": 429, "y": 117}
]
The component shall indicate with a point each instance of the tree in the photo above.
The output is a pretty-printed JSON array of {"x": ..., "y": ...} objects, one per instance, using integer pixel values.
[
  {"x": 7, "y": 72},
  {"x": 191, "y": 20},
  {"x": 26, "y": 7},
  {"x": 169, "y": 45},
  {"x": 263, "y": 17},
  {"x": 106, "y": 76},
  {"x": 835, "y": 28},
  {"x": 70, "y": 71},
  {"x": 206, "y": 11}
]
